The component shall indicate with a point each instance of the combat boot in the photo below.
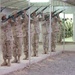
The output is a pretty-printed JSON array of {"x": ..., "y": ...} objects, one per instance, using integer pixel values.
[
  {"x": 8, "y": 64},
  {"x": 18, "y": 61},
  {"x": 4, "y": 63},
  {"x": 26, "y": 56},
  {"x": 15, "y": 60},
  {"x": 53, "y": 50},
  {"x": 35, "y": 54}
]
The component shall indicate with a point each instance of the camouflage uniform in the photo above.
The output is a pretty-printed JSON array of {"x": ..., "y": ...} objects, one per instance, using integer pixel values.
[
  {"x": 25, "y": 36},
  {"x": 17, "y": 43},
  {"x": 35, "y": 36},
  {"x": 53, "y": 34},
  {"x": 45, "y": 31},
  {"x": 59, "y": 35},
  {"x": 6, "y": 37}
]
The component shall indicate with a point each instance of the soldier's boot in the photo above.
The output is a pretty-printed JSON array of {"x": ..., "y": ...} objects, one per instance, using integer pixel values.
[
  {"x": 4, "y": 63},
  {"x": 35, "y": 53},
  {"x": 26, "y": 56},
  {"x": 45, "y": 52},
  {"x": 8, "y": 64},
  {"x": 53, "y": 50},
  {"x": 15, "y": 60},
  {"x": 18, "y": 61}
]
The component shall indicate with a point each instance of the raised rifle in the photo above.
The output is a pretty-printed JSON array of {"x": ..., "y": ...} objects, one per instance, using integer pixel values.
[
  {"x": 57, "y": 13},
  {"x": 42, "y": 10},
  {"x": 35, "y": 10},
  {"x": 53, "y": 15}
]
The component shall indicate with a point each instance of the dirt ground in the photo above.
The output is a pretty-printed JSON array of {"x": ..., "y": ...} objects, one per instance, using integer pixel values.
[{"x": 63, "y": 64}]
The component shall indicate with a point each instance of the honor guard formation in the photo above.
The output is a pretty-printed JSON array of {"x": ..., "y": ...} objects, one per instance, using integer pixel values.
[{"x": 14, "y": 33}]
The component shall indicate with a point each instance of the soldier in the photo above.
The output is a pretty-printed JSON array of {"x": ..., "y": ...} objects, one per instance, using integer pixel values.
[
  {"x": 59, "y": 28},
  {"x": 53, "y": 33},
  {"x": 45, "y": 30},
  {"x": 25, "y": 34},
  {"x": 35, "y": 36},
  {"x": 6, "y": 37},
  {"x": 17, "y": 36}
]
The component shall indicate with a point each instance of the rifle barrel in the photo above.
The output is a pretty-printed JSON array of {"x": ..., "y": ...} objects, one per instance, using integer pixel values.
[
  {"x": 44, "y": 8},
  {"x": 28, "y": 7}
]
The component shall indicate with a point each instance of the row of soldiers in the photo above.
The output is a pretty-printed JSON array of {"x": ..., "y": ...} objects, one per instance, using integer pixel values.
[{"x": 14, "y": 31}]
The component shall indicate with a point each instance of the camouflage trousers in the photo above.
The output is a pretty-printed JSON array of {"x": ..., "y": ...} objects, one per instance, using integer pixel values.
[
  {"x": 35, "y": 44},
  {"x": 17, "y": 47},
  {"x": 53, "y": 41},
  {"x": 59, "y": 37},
  {"x": 25, "y": 42},
  {"x": 45, "y": 42},
  {"x": 7, "y": 49}
]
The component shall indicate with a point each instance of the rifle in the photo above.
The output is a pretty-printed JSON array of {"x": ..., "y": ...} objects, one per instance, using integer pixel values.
[
  {"x": 42, "y": 10},
  {"x": 57, "y": 13},
  {"x": 47, "y": 16},
  {"x": 35, "y": 10}
]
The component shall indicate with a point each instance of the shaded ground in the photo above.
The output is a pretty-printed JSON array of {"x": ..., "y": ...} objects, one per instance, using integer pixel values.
[{"x": 63, "y": 64}]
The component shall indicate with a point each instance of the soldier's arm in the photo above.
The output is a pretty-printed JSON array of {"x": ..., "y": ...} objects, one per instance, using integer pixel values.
[{"x": 26, "y": 17}]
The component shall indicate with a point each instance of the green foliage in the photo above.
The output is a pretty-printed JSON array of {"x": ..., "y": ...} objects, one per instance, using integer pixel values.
[{"x": 67, "y": 24}]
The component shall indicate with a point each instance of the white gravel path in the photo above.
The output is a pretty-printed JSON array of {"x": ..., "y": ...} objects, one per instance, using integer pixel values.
[{"x": 63, "y": 64}]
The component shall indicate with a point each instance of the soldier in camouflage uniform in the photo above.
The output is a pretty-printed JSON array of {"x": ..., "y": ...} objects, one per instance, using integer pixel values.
[
  {"x": 17, "y": 36},
  {"x": 53, "y": 36},
  {"x": 53, "y": 33},
  {"x": 45, "y": 31},
  {"x": 35, "y": 36},
  {"x": 6, "y": 37},
  {"x": 59, "y": 30},
  {"x": 25, "y": 34}
]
